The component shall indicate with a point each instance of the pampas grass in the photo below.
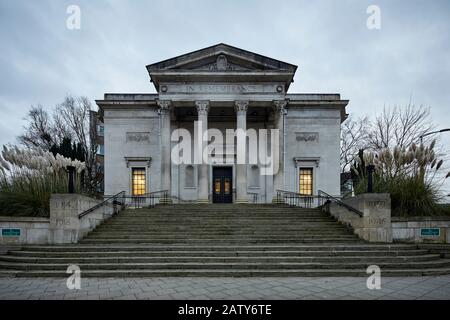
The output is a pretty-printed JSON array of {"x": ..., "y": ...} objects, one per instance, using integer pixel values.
[{"x": 29, "y": 177}]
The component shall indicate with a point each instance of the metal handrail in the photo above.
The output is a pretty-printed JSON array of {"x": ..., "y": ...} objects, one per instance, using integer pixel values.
[
  {"x": 255, "y": 196},
  {"x": 138, "y": 200},
  {"x": 295, "y": 199},
  {"x": 330, "y": 198},
  {"x": 121, "y": 194},
  {"x": 164, "y": 192}
]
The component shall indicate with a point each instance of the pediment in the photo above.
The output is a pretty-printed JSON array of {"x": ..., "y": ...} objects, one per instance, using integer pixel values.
[
  {"x": 221, "y": 63},
  {"x": 222, "y": 58}
]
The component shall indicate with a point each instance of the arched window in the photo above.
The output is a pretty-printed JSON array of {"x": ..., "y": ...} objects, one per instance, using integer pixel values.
[{"x": 189, "y": 176}]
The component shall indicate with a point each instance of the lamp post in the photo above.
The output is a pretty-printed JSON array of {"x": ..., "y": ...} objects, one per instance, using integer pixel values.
[
  {"x": 71, "y": 186},
  {"x": 370, "y": 169},
  {"x": 433, "y": 132}
]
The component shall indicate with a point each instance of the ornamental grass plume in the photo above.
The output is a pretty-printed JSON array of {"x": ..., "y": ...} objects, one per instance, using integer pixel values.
[
  {"x": 408, "y": 174},
  {"x": 29, "y": 177}
]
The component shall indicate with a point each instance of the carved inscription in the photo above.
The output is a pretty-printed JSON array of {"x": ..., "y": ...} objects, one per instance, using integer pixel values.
[
  {"x": 225, "y": 88},
  {"x": 376, "y": 204},
  {"x": 307, "y": 136},
  {"x": 140, "y": 137},
  {"x": 222, "y": 88},
  {"x": 376, "y": 221}
]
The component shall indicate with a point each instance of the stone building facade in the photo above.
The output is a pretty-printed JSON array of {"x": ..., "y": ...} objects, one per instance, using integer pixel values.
[{"x": 221, "y": 87}]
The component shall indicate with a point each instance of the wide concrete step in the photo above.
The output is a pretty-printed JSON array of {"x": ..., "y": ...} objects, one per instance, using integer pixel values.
[
  {"x": 214, "y": 235},
  {"x": 222, "y": 215},
  {"x": 186, "y": 234},
  {"x": 442, "y": 263},
  {"x": 230, "y": 222},
  {"x": 218, "y": 259},
  {"x": 217, "y": 231},
  {"x": 329, "y": 247},
  {"x": 349, "y": 239},
  {"x": 228, "y": 273},
  {"x": 222, "y": 240},
  {"x": 217, "y": 253},
  {"x": 242, "y": 227}
]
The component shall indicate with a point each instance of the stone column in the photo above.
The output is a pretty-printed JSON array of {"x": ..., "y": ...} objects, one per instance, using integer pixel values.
[
  {"x": 203, "y": 178},
  {"x": 280, "y": 111},
  {"x": 241, "y": 169},
  {"x": 164, "y": 114}
]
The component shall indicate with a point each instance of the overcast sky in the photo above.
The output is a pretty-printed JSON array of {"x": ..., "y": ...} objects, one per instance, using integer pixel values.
[{"x": 41, "y": 60}]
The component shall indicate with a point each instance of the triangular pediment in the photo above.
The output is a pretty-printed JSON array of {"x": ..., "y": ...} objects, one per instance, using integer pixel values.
[{"x": 223, "y": 58}]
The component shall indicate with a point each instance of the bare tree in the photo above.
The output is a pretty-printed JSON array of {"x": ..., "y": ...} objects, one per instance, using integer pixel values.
[
  {"x": 353, "y": 138},
  {"x": 399, "y": 127},
  {"x": 76, "y": 114},
  {"x": 70, "y": 119},
  {"x": 39, "y": 129},
  {"x": 43, "y": 130}
]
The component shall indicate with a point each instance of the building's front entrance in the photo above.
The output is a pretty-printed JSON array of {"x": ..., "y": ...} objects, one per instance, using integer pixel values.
[{"x": 222, "y": 184}]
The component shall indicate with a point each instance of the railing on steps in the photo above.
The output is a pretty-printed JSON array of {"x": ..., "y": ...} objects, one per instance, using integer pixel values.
[
  {"x": 295, "y": 199},
  {"x": 117, "y": 199},
  {"x": 149, "y": 200},
  {"x": 254, "y": 197},
  {"x": 325, "y": 199}
]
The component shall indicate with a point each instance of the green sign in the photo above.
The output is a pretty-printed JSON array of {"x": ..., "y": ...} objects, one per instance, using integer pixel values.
[
  {"x": 430, "y": 232},
  {"x": 10, "y": 232}
]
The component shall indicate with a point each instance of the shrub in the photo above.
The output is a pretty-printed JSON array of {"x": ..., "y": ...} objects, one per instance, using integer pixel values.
[
  {"x": 29, "y": 177},
  {"x": 409, "y": 175}
]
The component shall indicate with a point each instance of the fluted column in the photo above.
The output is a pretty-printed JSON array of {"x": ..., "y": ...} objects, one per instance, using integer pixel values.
[
  {"x": 203, "y": 179},
  {"x": 241, "y": 169},
  {"x": 164, "y": 114},
  {"x": 280, "y": 111}
]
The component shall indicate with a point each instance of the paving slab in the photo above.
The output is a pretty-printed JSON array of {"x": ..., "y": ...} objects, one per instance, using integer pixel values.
[{"x": 430, "y": 287}]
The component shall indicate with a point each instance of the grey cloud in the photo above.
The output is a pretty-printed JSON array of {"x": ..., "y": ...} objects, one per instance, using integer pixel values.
[{"x": 41, "y": 60}]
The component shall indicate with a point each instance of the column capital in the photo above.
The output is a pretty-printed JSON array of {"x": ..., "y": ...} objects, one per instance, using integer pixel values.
[
  {"x": 241, "y": 107},
  {"x": 280, "y": 106},
  {"x": 202, "y": 107},
  {"x": 164, "y": 106}
]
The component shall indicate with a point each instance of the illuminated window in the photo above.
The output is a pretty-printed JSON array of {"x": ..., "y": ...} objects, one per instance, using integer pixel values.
[
  {"x": 217, "y": 186},
  {"x": 306, "y": 181},
  {"x": 138, "y": 181},
  {"x": 227, "y": 186}
]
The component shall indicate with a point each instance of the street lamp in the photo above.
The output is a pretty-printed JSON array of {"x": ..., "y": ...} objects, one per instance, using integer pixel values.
[{"x": 430, "y": 133}]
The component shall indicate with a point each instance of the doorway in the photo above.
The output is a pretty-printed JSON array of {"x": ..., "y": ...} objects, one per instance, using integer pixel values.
[{"x": 222, "y": 184}]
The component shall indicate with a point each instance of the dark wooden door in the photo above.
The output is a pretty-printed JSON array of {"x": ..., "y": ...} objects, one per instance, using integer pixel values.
[{"x": 222, "y": 185}]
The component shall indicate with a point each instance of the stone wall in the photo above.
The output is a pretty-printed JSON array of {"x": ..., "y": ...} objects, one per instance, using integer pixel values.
[
  {"x": 132, "y": 134},
  {"x": 417, "y": 229},
  {"x": 65, "y": 226},
  {"x": 23, "y": 230},
  {"x": 312, "y": 141},
  {"x": 375, "y": 224}
]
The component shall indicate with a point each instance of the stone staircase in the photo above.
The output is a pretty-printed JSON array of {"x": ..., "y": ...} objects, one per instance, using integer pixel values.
[{"x": 222, "y": 240}]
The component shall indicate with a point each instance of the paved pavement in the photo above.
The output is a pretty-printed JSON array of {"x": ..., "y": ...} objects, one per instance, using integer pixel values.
[{"x": 437, "y": 287}]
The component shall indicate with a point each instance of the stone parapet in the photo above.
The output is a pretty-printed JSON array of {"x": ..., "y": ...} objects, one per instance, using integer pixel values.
[
  {"x": 375, "y": 223},
  {"x": 65, "y": 224},
  {"x": 421, "y": 229},
  {"x": 23, "y": 230}
]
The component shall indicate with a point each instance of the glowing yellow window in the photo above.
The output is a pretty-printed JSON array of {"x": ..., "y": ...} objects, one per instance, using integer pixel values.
[
  {"x": 306, "y": 181},
  {"x": 138, "y": 181},
  {"x": 217, "y": 186},
  {"x": 227, "y": 184}
]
